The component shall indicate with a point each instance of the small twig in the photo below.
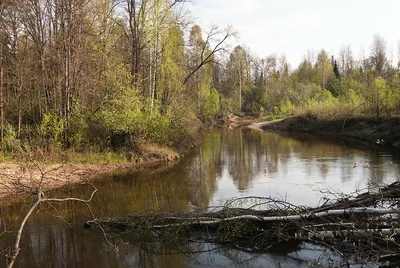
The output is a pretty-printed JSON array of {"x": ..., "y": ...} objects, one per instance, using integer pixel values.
[
  {"x": 95, "y": 221},
  {"x": 58, "y": 214}
]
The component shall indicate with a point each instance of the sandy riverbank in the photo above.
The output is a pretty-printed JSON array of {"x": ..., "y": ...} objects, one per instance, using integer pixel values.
[{"x": 19, "y": 179}]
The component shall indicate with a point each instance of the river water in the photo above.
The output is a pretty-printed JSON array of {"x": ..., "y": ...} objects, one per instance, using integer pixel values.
[{"x": 299, "y": 168}]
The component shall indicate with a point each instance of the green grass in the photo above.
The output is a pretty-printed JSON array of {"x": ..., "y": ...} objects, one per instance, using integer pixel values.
[
  {"x": 9, "y": 158},
  {"x": 96, "y": 157},
  {"x": 69, "y": 156}
]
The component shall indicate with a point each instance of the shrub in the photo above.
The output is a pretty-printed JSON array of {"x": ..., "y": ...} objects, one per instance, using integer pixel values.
[
  {"x": 51, "y": 131},
  {"x": 10, "y": 142}
]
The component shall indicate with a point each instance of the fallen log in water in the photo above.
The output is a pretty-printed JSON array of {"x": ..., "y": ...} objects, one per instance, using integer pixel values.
[
  {"x": 364, "y": 199},
  {"x": 366, "y": 225}
]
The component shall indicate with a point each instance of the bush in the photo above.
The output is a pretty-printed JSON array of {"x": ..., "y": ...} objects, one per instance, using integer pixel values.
[
  {"x": 10, "y": 142},
  {"x": 51, "y": 131},
  {"x": 212, "y": 104}
]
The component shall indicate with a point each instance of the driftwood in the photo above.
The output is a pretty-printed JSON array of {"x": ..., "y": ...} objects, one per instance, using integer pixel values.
[{"x": 365, "y": 226}]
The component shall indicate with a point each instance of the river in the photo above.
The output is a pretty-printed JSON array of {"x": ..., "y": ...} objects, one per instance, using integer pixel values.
[{"x": 299, "y": 168}]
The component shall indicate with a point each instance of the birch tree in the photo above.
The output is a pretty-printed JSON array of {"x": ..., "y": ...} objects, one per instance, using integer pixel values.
[
  {"x": 323, "y": 69},
  {"x": 239, "y": 75}
]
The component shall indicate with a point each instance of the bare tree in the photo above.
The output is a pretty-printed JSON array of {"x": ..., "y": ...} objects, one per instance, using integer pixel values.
[
  {"x": 378, "y": 55},
  {"x": 1, "y": 85},
  {"x": 311, "y": 56},
  {"x": 216, "y": 38},
  {"x": 346, "y": 61},
  {"x": 36, "y": 185},
  {"x": 3, "y": 44},
  {"x": 267, "y": 67},
  {"x": 283, "y": 67},
  {"x": 398, "y": 55}
]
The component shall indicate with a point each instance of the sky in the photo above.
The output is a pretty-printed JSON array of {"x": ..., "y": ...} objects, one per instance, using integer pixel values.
[{"x": 293, "y": 27}]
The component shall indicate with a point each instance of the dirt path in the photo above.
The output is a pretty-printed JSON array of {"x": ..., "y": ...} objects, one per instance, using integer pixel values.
[
  {"x": 236, "y": 121},
  {"x": 257, "y": 126},
  {"x": 270, "y": 125}
]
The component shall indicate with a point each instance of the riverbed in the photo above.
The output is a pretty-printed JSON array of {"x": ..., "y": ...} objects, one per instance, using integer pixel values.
[{"x": 298, "y": 168}]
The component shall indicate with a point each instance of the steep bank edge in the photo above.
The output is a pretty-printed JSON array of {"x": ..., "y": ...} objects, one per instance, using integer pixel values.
[{"x": 383, "y": 131}]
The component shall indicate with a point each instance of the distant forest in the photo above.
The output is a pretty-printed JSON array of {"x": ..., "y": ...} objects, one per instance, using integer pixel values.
[{"x": 107, "y": 74}]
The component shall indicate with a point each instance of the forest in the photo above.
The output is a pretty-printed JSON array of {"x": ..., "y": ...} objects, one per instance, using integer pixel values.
[{"x": 95, "y": 75}]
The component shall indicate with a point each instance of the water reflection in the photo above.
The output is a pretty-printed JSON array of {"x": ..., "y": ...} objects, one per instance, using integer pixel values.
[
  {"x": 295, "y": 166},
  {"x": 54, "y": 246},
  {"x": 230, "y": 163}
]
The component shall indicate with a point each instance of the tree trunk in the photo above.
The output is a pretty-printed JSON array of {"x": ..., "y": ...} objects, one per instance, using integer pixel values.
[
  {"x": 240, "y": 91},
  {"x": 1, "y": 92}
]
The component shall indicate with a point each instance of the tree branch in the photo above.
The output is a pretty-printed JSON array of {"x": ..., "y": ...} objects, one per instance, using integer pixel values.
[
  {"x": 16, "y": 249},
  {"x": 217, "y": 48}
]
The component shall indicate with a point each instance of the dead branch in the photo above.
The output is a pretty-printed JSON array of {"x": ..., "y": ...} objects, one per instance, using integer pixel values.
[
  {"x": 16, "y": 249},
  {"x": 365, "y": 225},
  {"x": 219, "y": 47},
  {"x": 34, "y": 187}
]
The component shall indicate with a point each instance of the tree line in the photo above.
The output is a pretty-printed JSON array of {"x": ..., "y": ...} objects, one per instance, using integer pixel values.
[
  {"x": 112, "y": 73},
  {"x": 322, "y": 85}
]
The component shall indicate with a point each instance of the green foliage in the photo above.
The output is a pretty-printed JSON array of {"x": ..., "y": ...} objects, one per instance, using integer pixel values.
[
  {"x": 212, "y": 104},
  {"x": 121, "y": 112},
  {"x": 52, "y": 129},
  {"x": 287, "y": 108},
  {"x": 325, "y": 103},
  {"x": 10, "y": 142},
  {"x": 125, "y": 116},
  {"x": 351, "y": 98},
  {"x": 336, "y": 70},
  {"x": 172, "y": 66},
  {"x": 129, "y": 84},
  {"x": 205, "y": 92},
  {"x": 385, "y": 95},
  {"x": 79, "y": 128},
  {"x": 304, "y": 72},
  {"x": 155, "y": 127},
  {"x": 238, "y": 80},
  {"x": 323, "y": 69}
]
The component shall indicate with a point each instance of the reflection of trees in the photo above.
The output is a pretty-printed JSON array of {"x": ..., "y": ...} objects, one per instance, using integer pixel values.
[
  {"x": 250, "y": 153},
  {"x": 58, "y": 245},
  {"x": 204, "y": 169},
  {"x": 247, "y": 154},
  {"x": 239, "y": 156},
  {"x": 278, "y": 152},
  {"x": 323, "y": 166},
  {"x": 140, "y": 193}
]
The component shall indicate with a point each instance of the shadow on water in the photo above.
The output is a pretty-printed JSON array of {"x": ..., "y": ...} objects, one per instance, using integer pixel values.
[{"x": 230, "y": 163}]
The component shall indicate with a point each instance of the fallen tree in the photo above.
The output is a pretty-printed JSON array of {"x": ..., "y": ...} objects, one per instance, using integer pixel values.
[{"x": 364, "y": 226}]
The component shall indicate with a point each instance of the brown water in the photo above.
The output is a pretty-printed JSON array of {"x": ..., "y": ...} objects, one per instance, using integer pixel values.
[{"x": 230, "y": 163}]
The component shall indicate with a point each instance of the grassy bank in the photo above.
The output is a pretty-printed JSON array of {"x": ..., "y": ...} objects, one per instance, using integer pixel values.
[
  {"x": 19, "y": 176},
  {"x": 384, "y": 131},
  {"x": 22, "y": 170}
]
